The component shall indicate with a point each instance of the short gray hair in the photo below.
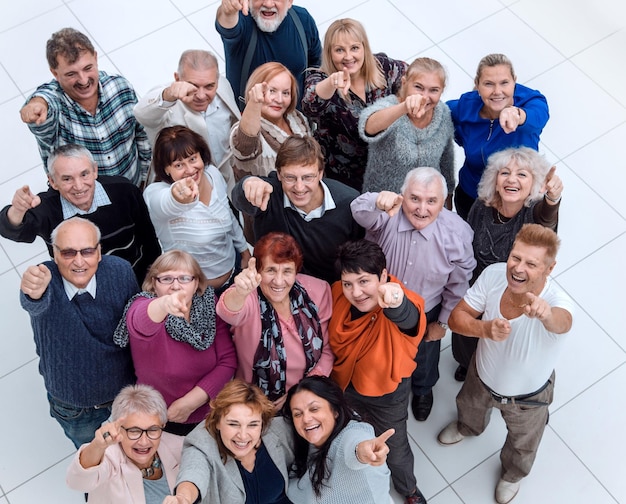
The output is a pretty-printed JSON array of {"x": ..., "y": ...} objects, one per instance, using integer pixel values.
[
  {"x": 69, "y": 151},
  {"x": 55, "y": 231},
  {"x": 139, "y": 398},
  {"x": 425, "y": 175},
  {"x": 524, "y": 157},
  {"x": 197, "y": 59}
]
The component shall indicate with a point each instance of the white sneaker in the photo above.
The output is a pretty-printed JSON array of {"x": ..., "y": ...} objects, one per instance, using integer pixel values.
[
  {"x": 506, "y": 491},
  {"x": 450, "y": 434}
]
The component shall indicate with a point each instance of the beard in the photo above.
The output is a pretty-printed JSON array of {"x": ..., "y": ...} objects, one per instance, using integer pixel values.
[{"x": 267, "y": 25}]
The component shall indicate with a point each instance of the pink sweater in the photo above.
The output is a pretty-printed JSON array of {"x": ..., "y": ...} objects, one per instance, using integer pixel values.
[
  {"x": 246, "y": 329},
  {"x": 174, "y": 367}
]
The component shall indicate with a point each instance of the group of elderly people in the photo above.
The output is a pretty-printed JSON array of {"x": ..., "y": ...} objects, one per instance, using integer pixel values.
[{"x": 268, "y": 372}]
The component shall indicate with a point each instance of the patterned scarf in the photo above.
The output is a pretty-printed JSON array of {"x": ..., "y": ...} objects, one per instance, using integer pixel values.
[
  {"x": 270, "y": 359},
  {"x": 199, "y": 332}
]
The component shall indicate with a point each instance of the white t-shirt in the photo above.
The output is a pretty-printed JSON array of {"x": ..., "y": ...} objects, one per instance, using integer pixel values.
[{"x": 524, "y": 361}]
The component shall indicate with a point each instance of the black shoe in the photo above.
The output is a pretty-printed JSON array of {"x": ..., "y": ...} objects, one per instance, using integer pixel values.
[
  {"x": 421, "y": 406},
  {"x": 460, "y": 373},
  {"x": 415, "y": 498}
]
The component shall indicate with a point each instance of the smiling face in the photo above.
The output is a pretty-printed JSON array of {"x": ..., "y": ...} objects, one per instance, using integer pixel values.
[
  {"x": 429, "y": 85},
  {"x": 206, "y": 82},
  {"x": 140, "y": 451},
  {"x": 361, "y": 289},
  {"x": 240, "y": 430},
  {"x": 514, "y": 184},
  {"x": 77, "y": 270},
  {"x": 313, "y": 417},
  {"x": 269, "y": 14},
  {"x": 422, "y": 203},
  {"x": 190, "y": 288},
  {"x": 75, "y": 179},
  {"x": 278, "y": 98},
  {"x": 527, "y": 268},
  {"x": 302, "y": 186},
  {"x": 347, "y": 53},
  {"x": 496, "y": 86},
  {"x": 277, "y": 279},
  {"x": 80, "y": 79},
  {"x": 192, "y": 166}
]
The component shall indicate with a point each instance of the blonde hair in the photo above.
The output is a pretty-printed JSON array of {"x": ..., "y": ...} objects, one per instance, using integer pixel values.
[
  {"x": 419, "y": 67},
  {"x": 171, "y": 260},
  {"x": 492, "y": 60},
  {"x": 267, "y": 72},
  {"x": 371, "y": 70}
]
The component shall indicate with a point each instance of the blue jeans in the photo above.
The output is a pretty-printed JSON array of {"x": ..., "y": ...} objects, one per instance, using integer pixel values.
[{"x": 79, "y": 424}]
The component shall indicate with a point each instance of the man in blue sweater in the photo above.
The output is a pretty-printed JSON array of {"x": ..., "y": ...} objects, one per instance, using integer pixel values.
[{"x": 75, "y": 303}]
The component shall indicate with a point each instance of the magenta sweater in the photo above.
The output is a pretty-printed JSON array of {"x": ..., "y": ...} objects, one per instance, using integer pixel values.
[{"x": 173, "y": 367}]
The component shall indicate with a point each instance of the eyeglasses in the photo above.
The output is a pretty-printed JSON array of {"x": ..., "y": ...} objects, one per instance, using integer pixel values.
[
  {"x": 292, "y": 179},
  {"x": 169, "y": 280},
  {"x": 134, "y": 433},
  {"x": 71, "y": 253}
]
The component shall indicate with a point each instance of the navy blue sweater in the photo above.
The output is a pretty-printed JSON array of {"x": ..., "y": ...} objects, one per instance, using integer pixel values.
[{"x": 78, "y": 360}]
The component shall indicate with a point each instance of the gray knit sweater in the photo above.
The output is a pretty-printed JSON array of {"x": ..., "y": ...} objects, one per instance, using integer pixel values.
[{"x": 402, "y": 146}]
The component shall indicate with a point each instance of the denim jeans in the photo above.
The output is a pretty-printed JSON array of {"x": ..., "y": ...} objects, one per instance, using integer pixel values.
[{"x": 79, "y": 424}]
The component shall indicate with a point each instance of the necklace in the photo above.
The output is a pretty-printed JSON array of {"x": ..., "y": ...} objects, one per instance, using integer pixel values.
[
  {"x": 501, "y": 218},
  {"x": 148, "y": 472}
]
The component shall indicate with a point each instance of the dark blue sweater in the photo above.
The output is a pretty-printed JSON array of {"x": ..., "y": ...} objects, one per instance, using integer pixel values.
[{"x": 78, "y": 360}]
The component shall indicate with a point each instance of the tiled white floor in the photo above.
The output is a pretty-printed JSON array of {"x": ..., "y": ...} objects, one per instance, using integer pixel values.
[{"x": 572, "y": 50}]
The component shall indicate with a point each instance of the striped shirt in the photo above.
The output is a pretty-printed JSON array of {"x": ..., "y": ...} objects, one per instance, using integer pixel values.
[{"x": 117, "y": 141}]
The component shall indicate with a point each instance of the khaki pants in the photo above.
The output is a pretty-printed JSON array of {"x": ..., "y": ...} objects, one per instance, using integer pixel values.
[{"x": 525, "y": 423}]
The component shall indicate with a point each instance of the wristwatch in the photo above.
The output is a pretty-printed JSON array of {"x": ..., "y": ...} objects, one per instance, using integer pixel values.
[{"x": 444, "y": 326}]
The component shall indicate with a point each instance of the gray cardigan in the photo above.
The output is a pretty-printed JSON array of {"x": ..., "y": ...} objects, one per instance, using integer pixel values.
[
  {"x": 221, "y": 483},
  {"x": 402, "y": 147}
]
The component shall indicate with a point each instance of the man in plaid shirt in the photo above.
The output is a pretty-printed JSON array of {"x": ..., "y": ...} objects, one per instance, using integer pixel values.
[{"x": 89, "y": 108}]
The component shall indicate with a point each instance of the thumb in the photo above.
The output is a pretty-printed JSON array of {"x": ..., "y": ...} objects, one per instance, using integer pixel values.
[
  {"x": 36, "y": 201},
  {"x": 346, "y": 74},
  {"x": 43, "y": 268}
]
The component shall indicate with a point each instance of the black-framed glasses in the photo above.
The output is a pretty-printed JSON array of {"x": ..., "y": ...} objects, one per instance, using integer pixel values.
[
  {"x": 134, "y": 433},
  {"x": 70, "y": 253},
  {"x": 169, "y": 279}
]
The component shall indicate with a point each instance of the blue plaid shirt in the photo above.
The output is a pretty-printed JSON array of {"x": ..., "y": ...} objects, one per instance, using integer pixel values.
[{"x": 117, "y": 141}]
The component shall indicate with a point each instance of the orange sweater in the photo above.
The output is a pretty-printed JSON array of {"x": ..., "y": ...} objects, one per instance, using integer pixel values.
[{"x": 371, "y": 351}]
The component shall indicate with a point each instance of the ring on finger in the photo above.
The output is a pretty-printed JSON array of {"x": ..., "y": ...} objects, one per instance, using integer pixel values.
[{"x": 106, "y": 435}]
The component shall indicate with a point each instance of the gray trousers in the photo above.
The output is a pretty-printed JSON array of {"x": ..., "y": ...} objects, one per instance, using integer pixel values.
[
  {"x": 387, "y": 412},
  {"x": 525, "y": 423}
]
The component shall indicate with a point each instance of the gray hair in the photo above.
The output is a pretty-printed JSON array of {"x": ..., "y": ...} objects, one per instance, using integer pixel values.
[
  {"x": 492, "y": 60},
  {"x": 139, "y": 398},
  {"x": 425, "y": 176},
  {"x": 524, "y": 157},
  {"x": 69, "y": 151},
  {"x": 55, "y": 231},
  {"x": 197, "y": 59}
]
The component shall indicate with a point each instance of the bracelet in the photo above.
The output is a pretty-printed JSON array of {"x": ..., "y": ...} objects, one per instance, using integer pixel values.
[
  {"x": 553, "y": 200},
  {"x": 356, "y": 454}
]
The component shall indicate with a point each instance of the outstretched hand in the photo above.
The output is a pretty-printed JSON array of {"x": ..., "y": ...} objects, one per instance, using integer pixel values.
[
  {"x": 175, "y": 304},
  {"x": 185, "y": 190},
  {"x": 390, "y": 295},
  {"x": 389, "y": 202},
  {"x": 248, "y": 280},
  {"x": 35, "y": 281},
  {"x": 552, "y": 185},
  {"x": 257, "y": 191},
  {"x": 415, "y": 106},
  {"x": 499, "y": 329},
  {"x": 374, "y": 451}
]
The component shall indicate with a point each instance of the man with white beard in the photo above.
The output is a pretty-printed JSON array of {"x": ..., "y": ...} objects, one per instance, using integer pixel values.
[{"x": 257, "y": 31}]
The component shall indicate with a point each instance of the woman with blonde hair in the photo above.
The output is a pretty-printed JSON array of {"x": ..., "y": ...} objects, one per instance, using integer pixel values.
[
  {"x": 270, "y": 117},
  {"x": 411, "y": 129},
  {"x": 350, "y": 78},
  {"x": 240, "y": 455}
]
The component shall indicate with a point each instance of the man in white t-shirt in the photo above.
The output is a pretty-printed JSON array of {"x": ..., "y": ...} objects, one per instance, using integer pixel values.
[
  {"x": 199, "y": 98},
  {"x": 520, "y": 316}
]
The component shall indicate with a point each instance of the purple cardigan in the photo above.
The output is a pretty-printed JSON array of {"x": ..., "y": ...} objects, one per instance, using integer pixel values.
[{"x": 173, "y": 367}]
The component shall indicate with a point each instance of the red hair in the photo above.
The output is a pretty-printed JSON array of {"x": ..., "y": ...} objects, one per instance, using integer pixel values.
[{"x": 280, "y": 247}]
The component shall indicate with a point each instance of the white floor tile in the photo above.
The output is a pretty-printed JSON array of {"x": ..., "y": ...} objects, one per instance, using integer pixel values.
[
  {"x": 204, "y": 23},
  {"x": 15, "y": 13},
  {"x": 446, "y": 497},
  {"x": 123, "y": 22},
  {"x": 190, "y": 6},
  {"x": 591, "y": 426},
  {"x": 8, "y": 89},
  {"x": 571, "y": 26},
  {"x": 597, "y": 285},
  {"x": 34, "y": 432},
  {"x": 157, "y": 68},
  {"x": 15, "y": 137}
]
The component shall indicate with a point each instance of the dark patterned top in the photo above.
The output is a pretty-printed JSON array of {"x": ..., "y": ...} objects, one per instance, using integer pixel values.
[{"x": 337, "y": 121}]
